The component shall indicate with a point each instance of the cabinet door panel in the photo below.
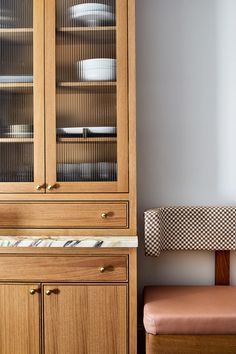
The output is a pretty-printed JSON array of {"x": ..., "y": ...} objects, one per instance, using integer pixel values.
[
  {"x": 21, "y": 96},
  {"x": 85, "y": 319},
  {"x": 19, "y": 320},
  {"x": 86, "y": 96}
]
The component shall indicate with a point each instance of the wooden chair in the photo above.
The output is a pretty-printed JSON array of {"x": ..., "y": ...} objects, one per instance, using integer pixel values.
[{"x": 185, "y": 320}]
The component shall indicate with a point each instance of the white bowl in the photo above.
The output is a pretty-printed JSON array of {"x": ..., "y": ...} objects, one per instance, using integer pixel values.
[
  {"x": 101, "y": 69},
  {"x": 81, "y": 8},
  {"x": 98, "y": 62}
]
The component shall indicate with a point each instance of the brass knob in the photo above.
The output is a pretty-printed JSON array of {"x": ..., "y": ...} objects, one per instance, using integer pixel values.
[
  {"x": 39, "y": 187},
  {"x": 104, "y": 215},
  {"x": 102, "y": 269},
  {"x": 33, "y": 291},
  {"x": 52, "y": 186},
  {"x": 52, "y": 291}
]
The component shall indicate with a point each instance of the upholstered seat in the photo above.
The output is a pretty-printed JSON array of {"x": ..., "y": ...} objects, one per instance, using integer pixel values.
[{"x": 190, "y": 310}]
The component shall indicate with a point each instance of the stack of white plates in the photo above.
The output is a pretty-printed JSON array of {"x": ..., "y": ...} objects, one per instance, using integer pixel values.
[
  {"x": 6, "y": 18},
  {"x": 90, "y": 131},
  {"x": 93, "y": 171},
  {"x": 16, "y": 78},
  {"x": 93, "y": 14},
  {"x": 100, "y": 69},
  {"x": 17, "y": 131}
]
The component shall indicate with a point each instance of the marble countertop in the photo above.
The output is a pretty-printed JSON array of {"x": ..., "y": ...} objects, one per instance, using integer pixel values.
[{"x": 71, "y": 242}]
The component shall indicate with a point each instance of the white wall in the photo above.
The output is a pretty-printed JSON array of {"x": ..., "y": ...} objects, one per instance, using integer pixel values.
[{"x": 186, "y": 74}]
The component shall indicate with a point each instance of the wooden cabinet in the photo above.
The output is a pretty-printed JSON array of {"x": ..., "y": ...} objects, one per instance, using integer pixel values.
[
  {"x": 20, "y": 319},
  {"x": 77, "y": 305},
  {"x": 64, "y": 97},
  {"x": 81, "y": 319},
  {"x": 64, "y": 318},
  {"x": 67, "y": 102},
  {"x": 68, "y": 169}
]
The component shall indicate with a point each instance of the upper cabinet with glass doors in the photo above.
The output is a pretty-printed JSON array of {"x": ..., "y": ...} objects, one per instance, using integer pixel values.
[
  {"x": 86, "y": 96},
  {"x": 21, "y": 96},
  {"x": 64, "y": 96}
]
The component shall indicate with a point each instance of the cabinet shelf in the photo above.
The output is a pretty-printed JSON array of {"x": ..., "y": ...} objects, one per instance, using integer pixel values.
[
  {"x": 89, "y": 34},
  {"x": 16, "y": 34},
  {"x": 88, "y": 85},
  {"x": 16, "y": 87},
  {"x": 75, "y": 30},
  {"x": 87, "y": 140},
  {"x": 16, "y": 140}
]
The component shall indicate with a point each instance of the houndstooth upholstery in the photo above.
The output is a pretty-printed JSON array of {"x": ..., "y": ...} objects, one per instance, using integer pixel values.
[{"x": 189, "y": 228}]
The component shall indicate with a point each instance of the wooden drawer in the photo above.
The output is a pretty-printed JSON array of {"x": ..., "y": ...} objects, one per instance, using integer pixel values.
[
  {"x": 64, "y": 215},
  {"x": 62, "y": 268}
]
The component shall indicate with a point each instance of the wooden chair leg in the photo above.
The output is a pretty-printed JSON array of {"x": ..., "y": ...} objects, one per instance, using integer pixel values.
[
  {"x": 147, "y": 344},
  {"x": 222, "y": 267}
]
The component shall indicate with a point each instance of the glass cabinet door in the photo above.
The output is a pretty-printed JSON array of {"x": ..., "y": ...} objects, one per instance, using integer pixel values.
[
  {"x": 21, "y": 102},
  {"x": 86, "y": 96}
]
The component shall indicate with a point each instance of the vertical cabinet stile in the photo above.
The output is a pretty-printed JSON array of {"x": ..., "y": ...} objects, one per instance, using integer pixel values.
[{"x": 39, "y": 119}]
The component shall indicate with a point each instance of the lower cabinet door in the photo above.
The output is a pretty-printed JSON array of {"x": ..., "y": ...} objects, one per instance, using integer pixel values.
[
  {"x": 19, "y": 319},
  {"x": 85, "y": 319}
]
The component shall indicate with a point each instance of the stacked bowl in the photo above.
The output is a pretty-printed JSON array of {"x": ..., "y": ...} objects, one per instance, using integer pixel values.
[
  {"x": 93, "y": 14},
  {"x": 99, "y": 69}
]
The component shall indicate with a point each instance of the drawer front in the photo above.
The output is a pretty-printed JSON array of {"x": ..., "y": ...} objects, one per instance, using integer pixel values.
[
  {"x": 59, "y": 268},
  {"x": 64, "y": 215}
]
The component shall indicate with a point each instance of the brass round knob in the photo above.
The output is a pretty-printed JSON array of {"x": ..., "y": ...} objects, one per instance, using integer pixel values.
[
  {"x": 104, "y": 215},
  {"x": 102, "y": 269},
  {"x": 32, "y": 291},
  {"x": 52, "y": 186},
  {"x": 39, "y": 187},
  {"x": 49, "y": 292}
]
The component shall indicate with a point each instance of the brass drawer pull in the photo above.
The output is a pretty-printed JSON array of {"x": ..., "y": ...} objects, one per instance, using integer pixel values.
[
  {"x": 108, "y": 268},
  {"x": 104, "y": 215},
  {"x": 33, "y": 291}
]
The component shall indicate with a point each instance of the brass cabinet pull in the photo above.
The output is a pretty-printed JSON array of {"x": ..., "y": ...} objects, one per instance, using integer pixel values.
[
  {"x": 33, "y": 291},
  {"x": 52, "y": 186},
  {"x": 40, "y": 186},
  {"x": 102, "y": 269},
  {"x": 104, "y": 215},
  {"x": 52, "y": 291}
]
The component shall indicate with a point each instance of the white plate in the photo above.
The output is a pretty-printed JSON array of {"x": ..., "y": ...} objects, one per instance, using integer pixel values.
[
  {"x": 92, "y": 130},
  {"x": 19, "y": 135},
  {"x": 95, "y": 18},
  {"x": 16, "y": 78},
  {"x": 80, "y": 8}
]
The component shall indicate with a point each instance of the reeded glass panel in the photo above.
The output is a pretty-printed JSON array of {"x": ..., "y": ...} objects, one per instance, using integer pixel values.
[
  {"x": 86, "y": 102},
  {"x": 16, "y": 91}
]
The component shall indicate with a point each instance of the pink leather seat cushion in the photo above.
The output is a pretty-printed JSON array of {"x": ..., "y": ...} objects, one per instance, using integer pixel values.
[{"x": 190, "y": 310}]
